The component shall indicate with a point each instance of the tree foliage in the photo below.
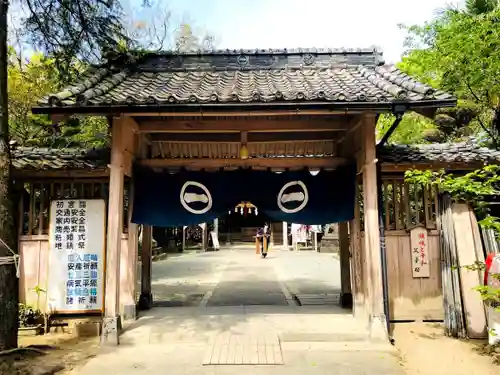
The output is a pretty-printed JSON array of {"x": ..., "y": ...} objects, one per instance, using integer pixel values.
[
  {"x": 28, "y": 81},
  {"x": 459, "y": 52},
  {"x": 64, "y": 57},
  {"x": 411, "y": 130},
  {"x": 65, "y": 29},
  {"x": 475, "y": 188}
]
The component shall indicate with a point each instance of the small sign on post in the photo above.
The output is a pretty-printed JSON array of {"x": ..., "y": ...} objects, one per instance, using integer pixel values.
[
  {"x": 419, "y": 252},
  {"x": 215, "y": 239}
]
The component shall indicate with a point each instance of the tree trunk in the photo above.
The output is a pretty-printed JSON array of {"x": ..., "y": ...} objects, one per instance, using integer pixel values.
[
  {"x": 496, "y": 127},
  {"x": 8, "y": 234}
]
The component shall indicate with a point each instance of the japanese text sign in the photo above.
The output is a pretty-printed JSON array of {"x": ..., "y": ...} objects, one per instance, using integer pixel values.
[
  {"x": 419, "y": 252},
  {"x": 76, "y": 255}
]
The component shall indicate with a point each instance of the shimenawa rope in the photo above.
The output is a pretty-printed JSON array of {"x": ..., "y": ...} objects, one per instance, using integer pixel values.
[{"x": 11, "y": 259}]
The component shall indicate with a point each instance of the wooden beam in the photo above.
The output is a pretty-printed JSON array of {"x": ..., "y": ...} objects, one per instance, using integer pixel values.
[
  {"x": 130, "y": 133},
  {"x": 339, "y": 123},
  {"x": 309, "y": 136},
  {"x": 254, "y": 137},
  {"x": 260, "y": 163},
  {"x": 26, "y": 174},
  {"x": 57, "y": 119},
  {"x": 349, "y": 142},
  {"x": 256, "y": 113},
  {"x": 403, "y": 167}
]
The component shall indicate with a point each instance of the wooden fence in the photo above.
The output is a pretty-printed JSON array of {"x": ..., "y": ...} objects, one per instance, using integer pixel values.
[{"x": 407, "y": 206}]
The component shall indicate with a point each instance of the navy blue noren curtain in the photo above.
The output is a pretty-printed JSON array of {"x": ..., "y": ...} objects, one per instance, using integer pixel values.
[{"x": 186, "y": 198}]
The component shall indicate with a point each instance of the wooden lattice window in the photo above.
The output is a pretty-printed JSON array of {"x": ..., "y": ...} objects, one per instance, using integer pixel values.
[
  {"x": 35, "y": 198},
  {"x": 405, "y": 205}
]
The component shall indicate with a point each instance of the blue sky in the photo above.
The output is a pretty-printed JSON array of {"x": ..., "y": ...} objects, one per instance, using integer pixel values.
[{"x": 304, "y": 23}]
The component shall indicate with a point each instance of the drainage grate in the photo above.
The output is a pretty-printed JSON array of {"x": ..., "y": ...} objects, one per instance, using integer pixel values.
[
  {"x": 317, "y": 299},
  {"x": 189, "y": 300},
  {"x": 239, "y": 349}
]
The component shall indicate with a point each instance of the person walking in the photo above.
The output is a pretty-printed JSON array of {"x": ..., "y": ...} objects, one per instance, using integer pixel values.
[{"x": 263, "y": 233}]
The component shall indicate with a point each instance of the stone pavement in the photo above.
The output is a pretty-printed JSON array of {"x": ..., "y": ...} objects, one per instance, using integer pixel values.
[{"x": 246, "y": 321}]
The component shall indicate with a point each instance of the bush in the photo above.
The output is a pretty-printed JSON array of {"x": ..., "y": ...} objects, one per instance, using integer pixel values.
[{"x": 28, "y": 316}]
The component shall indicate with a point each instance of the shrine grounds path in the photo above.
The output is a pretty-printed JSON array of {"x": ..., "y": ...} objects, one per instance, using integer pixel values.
[{"x": 230, "y": 312}]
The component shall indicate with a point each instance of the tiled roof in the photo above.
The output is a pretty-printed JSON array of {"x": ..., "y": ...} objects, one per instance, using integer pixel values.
[
  {"x": 25, "y": 158},
  {"x": 231, "y": 77},
  {"x": 466, "y": 152},
  {"x": 30, "y": 158}
]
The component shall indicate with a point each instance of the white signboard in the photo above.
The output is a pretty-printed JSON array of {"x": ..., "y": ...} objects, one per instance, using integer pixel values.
[
  {"x": 419, "y": 252},
  {"x": 215, "y": 239},
  {"x": 76, "y": 255}
]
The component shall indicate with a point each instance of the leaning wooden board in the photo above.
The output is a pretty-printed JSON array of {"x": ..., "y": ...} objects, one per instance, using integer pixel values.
[{"x": 474, "y": 310}]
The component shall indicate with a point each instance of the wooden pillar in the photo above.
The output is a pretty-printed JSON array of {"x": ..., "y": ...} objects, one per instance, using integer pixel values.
[
  {"x": 216, "y": 227},
  {"x": 375, "y": 304},
  {"x": 183, "y": 238},
  {"x": 128, "y": 265},
  {"x": 204, "y": 237},
  {"x": 359, "y": 274},
  {"x": 146, "y": 298},
  {"x": 285, "y": 235},
  {"x": 345, "y": 266},
  {"x": 112, "y": 321}
]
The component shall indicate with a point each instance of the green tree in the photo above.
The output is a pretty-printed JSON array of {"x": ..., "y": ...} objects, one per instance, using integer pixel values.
[
  {"x": 64, "y": 30},
  {"x": 412, "y": 129},
  {"x": 460, "y": 52},
  {"x": 474, "y": 188},
  {"x": 476, "y": 7},
  {"x": 26, "y": 84},
  {"x": 28, "y": 81}
]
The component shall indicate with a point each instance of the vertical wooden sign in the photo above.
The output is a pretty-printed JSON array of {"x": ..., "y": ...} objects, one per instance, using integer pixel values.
[{"x": 419, "y": 252}]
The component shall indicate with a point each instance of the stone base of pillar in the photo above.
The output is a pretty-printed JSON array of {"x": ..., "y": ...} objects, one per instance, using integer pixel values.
[
  {"x": 378, "y": 328},
  {"x": 145, "y": 301},
  {"x": 129, "y": 312},
  {"x": 346, "y": 300},
  {"x": 111, "y": 328}
]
